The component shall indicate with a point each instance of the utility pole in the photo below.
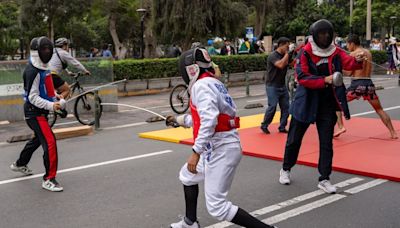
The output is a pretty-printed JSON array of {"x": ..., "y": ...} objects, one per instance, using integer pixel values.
[{"x": 368, "y": 35}]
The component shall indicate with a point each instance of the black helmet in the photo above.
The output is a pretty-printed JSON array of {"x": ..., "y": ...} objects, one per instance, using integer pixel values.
[
  {"x": 319, "y": 26},
  {"x": 44, "y": 48},
  {"x": 191, "y": 61}
]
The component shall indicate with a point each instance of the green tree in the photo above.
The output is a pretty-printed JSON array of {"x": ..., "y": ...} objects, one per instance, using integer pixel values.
[
  {"x": 295, "y": 18},
  {"x": 53, "y": 13},
  {"x": 9, "y": 29},
  {"x": 180, "y": 22},
  {"x": 121, "y": 19},
  {"x": 381, "y": 13}
]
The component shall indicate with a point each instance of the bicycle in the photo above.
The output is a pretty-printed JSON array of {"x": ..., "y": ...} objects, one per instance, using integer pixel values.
[
  {"x": 84, "y": 106},
  {"x": 179, "y": 98}
]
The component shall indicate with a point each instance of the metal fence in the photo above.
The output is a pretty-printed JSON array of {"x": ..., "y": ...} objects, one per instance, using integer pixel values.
[{"x": 101, "y": 69}]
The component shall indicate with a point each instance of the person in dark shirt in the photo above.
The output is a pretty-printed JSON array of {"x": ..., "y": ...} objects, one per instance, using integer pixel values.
[{"x": 277, "y": 65}]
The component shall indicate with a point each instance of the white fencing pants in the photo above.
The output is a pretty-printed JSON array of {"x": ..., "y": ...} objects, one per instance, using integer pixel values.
[{"x": 217, "y": 169}]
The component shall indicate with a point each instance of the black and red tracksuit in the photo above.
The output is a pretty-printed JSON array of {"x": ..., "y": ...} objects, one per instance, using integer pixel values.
[
  {"x": 317, "y": 102},
  {"x": 39, "y": 99}
]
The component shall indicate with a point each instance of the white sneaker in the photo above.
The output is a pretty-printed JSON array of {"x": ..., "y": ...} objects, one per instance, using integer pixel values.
[
  {"x": 23, "y": 169},
  {"x": 284, "y": 177},
  {"x": 327, "y": 187},
  {"x": 52, "y": 185},
  {"x": 183, "y": 224}
]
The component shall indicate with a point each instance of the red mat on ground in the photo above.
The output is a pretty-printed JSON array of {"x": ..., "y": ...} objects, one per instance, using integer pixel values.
[{"x": 365, "y": 149}]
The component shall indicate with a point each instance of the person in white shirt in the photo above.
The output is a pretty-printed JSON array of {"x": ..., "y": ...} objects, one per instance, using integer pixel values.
[
  {"x": 216, "y": 152},
  {"x": 60, "y": 60}
]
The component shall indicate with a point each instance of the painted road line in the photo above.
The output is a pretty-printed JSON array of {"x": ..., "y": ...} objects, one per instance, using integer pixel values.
[
  {"x": 370, "y": 112},
  {"x": 291, "y": 202},
  {"x": 251, "y": 101},
  {"x": 303, "y": 209},
  {"x": 391, "y": 87},
  {"x": 153, "y": 107},
  {"x": 365, "y": 186},
  {"x": 66, "y": 123},
  {"x": 89, "y": 166},
  {"x": 125, "y": 126},
  {"x": 245, "y": 96},
  {"x": 5, "y": 122},
  {"x": 3, "y": 143},
  {"x": 319, "y": 203}
]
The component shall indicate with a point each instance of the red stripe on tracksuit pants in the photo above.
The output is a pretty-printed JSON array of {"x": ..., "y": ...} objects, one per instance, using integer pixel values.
[{"x": 43, "y": 136}]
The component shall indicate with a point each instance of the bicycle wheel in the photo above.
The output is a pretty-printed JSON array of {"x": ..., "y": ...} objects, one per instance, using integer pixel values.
[
  {"x": 84, "y": 109},
  {"x": 51, "y": 118},
  {"x": 179, "y": 99}
]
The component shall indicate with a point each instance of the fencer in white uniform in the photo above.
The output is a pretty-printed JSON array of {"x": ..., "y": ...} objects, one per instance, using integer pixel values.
[{"x": 216, "y": 150}]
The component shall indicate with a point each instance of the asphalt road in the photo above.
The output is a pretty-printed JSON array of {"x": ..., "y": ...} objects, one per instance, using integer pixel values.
[{"x": 115, "y": 179}]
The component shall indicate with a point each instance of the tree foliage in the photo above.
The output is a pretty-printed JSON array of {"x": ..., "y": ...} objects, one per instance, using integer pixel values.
[
  {"x": 177, "y": 21},
  {"x": 9, "y": 30},
  {"x": 92, "y": 23}
]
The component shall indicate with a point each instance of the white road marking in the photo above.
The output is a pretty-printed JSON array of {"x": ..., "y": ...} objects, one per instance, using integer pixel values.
[
  {"x": 365, "y": 186},
  {"x": 3, "y": 143},
  {"x": 153, "y": 107},
  {"x": 319, "y": 203},
  {"x": 370, "y": 112},
  {"x": 290, "y": 202},
  {"x": 303, "y": 209},
  {"x": 4, "y": 122},
  {"x": 250, "y": 101},
  {"x": 66, "y": 123},
  {"x": 125, "y": 126},
  {"x": 88, "y": 166},
  {"x": 391, "y": 87}
]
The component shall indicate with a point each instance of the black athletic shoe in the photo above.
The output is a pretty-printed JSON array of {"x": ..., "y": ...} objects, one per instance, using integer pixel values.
[
  {"x": 283, "y": 131},
  {"x": 265, "y": 130}
]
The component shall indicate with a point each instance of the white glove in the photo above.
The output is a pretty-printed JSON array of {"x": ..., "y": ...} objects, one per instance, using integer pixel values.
[{"x": 292, "y": 47}]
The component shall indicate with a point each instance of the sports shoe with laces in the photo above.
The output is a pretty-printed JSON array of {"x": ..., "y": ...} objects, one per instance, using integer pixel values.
[
  {"x": 183, "y": 224},
  {"x": 23, "y": 169},
  {"x": 284, "y": 177},
  {"x": 327, "y": 187},
  {"x": 52, "y": 185}
]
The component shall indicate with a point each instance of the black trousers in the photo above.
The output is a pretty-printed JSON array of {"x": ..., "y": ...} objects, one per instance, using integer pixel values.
[
  {"x": 326, "y": 120},
  {"x": 44, "y": 136}
]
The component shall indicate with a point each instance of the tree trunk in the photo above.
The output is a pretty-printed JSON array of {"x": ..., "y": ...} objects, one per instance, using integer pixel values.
[
  {"x": 260, "y": 17},
  {"x": 150, "y": 41},
  {"x": 120, "y": 48},
  {"x": 50, "y": 32}
]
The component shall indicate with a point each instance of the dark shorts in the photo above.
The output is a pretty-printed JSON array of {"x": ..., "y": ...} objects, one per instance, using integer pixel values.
[
  {"x": 57, "y": 81},
  {"x": 361, "y": 88}
]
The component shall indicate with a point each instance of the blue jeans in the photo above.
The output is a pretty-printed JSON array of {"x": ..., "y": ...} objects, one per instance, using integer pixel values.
[{"x": 276, "y": 95}]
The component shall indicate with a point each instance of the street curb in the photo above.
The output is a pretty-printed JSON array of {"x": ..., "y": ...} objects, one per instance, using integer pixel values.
[
  {"x": 256, "y": 105},
  {"x": 60, "y": 133},
  {"x": 143, "y": 92}
]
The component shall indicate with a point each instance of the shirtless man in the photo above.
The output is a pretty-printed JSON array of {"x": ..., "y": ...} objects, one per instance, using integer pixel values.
[{"x": 362, "y": 86}]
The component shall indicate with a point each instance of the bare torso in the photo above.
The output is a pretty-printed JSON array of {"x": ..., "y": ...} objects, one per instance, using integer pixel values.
[{"x": 365, "y": 72}]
